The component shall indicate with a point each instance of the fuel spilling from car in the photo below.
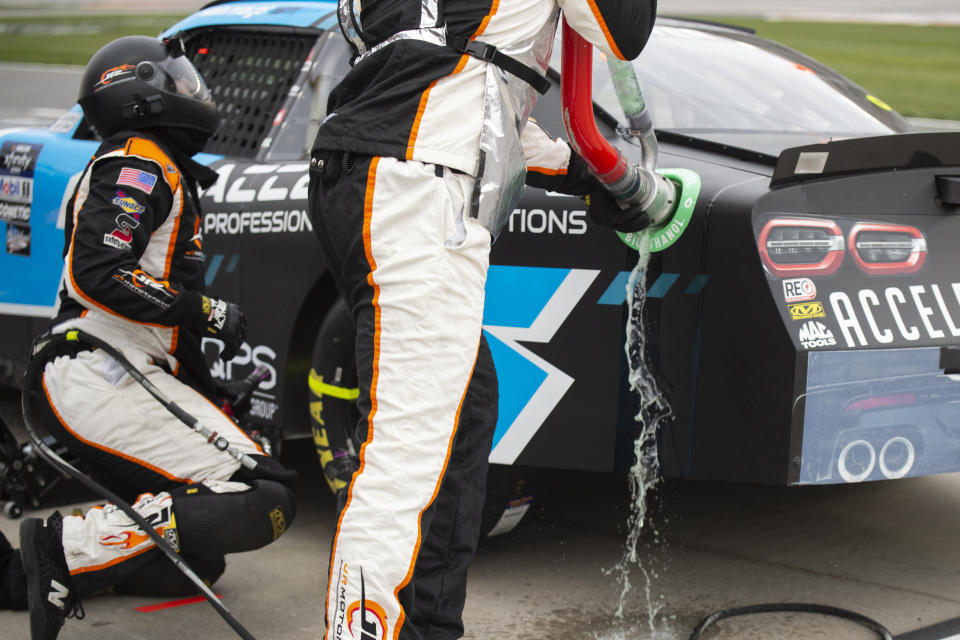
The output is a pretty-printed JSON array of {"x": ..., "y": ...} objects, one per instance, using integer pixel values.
[{"x": 668, "y": 198}]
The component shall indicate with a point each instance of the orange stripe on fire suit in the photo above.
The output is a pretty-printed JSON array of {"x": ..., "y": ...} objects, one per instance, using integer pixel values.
[{"x": 606, "y": 30}]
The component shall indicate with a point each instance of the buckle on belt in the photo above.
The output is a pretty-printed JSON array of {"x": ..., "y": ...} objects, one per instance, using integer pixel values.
[{"x": 480, "y": 50}]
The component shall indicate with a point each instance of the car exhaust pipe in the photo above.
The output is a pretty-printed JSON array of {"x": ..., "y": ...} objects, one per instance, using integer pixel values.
[{"x": 663, "y": 198}]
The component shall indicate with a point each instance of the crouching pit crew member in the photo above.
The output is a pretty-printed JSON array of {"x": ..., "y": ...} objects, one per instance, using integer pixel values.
[
  {"x": 419, "y": 162},
  {"x": 133, "y": 278}
]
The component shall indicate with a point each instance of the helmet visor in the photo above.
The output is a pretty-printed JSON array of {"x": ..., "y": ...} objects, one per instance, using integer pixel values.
[{"x": 179, "y": 76}]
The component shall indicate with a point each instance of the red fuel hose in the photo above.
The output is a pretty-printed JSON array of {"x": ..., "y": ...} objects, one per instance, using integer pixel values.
[
  {"x": 576, "y": 88},
  {"x": 630, "y": 184}
]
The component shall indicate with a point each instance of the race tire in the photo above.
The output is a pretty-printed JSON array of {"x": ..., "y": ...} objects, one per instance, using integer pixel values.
[{"x": 332, "y": 394}]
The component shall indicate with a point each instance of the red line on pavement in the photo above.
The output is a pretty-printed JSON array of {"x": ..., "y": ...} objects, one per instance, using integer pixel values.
[{"x": 171, "y": 604}]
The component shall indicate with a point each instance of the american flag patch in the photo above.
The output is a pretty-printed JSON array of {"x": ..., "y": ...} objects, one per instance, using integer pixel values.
[{"x": 135, "y": 178}]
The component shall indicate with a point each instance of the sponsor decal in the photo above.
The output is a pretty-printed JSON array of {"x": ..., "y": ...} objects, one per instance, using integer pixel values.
[
  {"x": 911, "y": 313},
  {"x": 142, "y": 180},
  {"x": 362, "y": 619},
  {"x": 265, "y": 407},
  {"x": 122, "y": 236},
  {"x": 195, "y": 249},
  {"x": 814, "y": 335},
  {"x": 159, "y": 292},
  {"x": 17, "y": 163},
  {"x": 278, "y": 522},
  {"x": 19, "y": 158},
  {"x": 548, "y": 221},
  {"x": 260, "y": 183},
  {"x": 113, "y": 74},
  {"x": 16, "y": 189},
  {"x": 18, "y": 239},
  {"x": 367, "y": 622},
  {"x": 248, "y": 357},
  {"x": 128, "y": 204},
  {"x": 283, "y": 183},
  {"x": 340, "y": 614},
  {"x": 14, "y": 212},
  {"x": 799, "y": 290},
  {"x": 283, "y": 221},
  {"x": 527, "y": 305},
  {"x": 806, "y": 310}
]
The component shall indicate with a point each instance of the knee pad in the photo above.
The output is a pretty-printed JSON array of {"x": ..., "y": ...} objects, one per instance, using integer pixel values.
[{"x": 217, "y": 523}]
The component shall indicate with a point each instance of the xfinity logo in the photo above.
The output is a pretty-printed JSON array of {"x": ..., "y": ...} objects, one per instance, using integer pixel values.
[
  {"x": 816, "y": 334},
  {"x": 799, "y": 290}
]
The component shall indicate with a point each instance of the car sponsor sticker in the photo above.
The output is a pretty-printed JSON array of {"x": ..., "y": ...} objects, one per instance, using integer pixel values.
[
  {"x": 917, "y": 313},
  {"x": 18, "y": 239},
  {"x": 814, "y": 335},
  {"x": 799, "y": 290},
  {"x": 806, "y": 310},
  {"x": 142, "y": 180},
  {"x": 17, "y": 163}
]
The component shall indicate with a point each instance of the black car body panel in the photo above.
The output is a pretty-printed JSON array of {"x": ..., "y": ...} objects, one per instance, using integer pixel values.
[{"x": 760, "y": 336}]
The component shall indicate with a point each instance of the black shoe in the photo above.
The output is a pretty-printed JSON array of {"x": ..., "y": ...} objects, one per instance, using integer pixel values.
[
  {"x": 50, "y": 592},
  {"x": 13, "y": 584}
]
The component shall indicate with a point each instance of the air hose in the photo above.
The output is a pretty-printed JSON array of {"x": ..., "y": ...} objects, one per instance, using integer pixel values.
[
  {"x": 800, "y": 607},
  {"x": 44, "y": 348},
  {"x": 668, "y": 196}
]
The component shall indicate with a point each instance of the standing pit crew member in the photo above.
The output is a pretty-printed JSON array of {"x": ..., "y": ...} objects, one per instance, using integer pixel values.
[
  {"x": 134, "y": 278},
  {"x": 420, "y": 159}
]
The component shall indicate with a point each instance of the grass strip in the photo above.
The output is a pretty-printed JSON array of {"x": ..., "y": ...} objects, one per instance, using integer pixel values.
[
  {"x": 915, "y": 69},
  {"x": 72, "y": 39}
]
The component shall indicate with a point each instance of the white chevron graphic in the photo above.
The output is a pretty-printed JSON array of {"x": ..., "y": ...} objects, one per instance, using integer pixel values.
[{"x": 549, "y": 320}]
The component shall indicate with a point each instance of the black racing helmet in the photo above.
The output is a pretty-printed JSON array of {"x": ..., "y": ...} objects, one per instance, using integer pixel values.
[{"x": 138, "y": 82}]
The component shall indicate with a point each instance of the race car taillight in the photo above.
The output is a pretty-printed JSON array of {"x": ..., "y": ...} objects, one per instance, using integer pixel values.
[
  {"x": 792, "y": 247},
  {"x": 882, "y": 402},
  {"x": 887, "y": 248}
]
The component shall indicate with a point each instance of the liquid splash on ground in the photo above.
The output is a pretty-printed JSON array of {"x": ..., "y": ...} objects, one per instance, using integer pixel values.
[{"x": 644, "y": 476}]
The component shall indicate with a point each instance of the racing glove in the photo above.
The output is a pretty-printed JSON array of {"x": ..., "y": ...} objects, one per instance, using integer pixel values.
[
  {"x": 603, "y": 209},
  {"x": 226, "y": 322}
]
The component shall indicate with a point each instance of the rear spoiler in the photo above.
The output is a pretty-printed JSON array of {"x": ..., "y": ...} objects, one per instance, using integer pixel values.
[{"x": 881, "y": 153}]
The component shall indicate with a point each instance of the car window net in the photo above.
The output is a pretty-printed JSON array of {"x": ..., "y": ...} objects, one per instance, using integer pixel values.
[{"x": 250, "y": 76}]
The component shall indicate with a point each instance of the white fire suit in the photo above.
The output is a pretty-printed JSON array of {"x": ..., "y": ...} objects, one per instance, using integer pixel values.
[{"x": 422, "y": 156}]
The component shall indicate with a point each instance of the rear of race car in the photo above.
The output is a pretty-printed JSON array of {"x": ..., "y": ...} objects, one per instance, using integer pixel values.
[{"x": 858, "y": 241}]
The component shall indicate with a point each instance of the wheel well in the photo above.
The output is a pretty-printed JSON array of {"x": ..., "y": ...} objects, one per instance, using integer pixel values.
[{"x": 312, "y": 312}]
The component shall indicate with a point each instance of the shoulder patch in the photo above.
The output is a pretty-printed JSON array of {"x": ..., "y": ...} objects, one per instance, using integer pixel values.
[{"x": 143, "y": 180}]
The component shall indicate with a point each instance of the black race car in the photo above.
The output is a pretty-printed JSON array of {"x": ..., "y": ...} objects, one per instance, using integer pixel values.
[{"x": 803, "y": 324}]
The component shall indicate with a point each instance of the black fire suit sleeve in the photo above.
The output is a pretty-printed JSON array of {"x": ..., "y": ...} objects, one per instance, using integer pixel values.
[
  {"x": 617, "y": 27},
  {"x": 115, "y": 226}
]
